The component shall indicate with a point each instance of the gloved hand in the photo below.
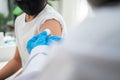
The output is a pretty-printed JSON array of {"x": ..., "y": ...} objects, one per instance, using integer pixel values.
[{"x": 41, "y": 39}]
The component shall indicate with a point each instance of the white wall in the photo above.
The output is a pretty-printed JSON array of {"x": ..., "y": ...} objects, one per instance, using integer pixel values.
[
  {"x": 57, "y": 5},
  {"x": 74, "y": 11},
  {"x": 4, "y": 7},
  {"x": 7, "y": 52}
]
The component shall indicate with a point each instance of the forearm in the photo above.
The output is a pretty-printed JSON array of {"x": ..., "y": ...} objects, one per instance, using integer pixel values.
[{"x": 12, "y": 67}]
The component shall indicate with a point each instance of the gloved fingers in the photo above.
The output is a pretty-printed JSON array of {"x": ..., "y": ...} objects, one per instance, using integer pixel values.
[
  {"x": 41, "y": 38},
  {"x": 43, "y": 34},
  {"x": 37, "y": 40},
  {"x": 28, "y": 46},
  {"x": 32, "y": 39},
  {"x": 30, "y": 43}
]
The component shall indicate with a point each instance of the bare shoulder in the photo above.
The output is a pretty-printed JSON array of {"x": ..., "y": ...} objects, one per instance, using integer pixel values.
[{"x": 53, "y": 25}]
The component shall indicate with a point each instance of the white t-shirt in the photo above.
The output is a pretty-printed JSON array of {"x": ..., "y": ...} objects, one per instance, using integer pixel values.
[{"x": 26, "y": 30}]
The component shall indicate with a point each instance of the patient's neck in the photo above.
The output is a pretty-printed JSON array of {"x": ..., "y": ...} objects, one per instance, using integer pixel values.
[{"x": 29, "y": 18}]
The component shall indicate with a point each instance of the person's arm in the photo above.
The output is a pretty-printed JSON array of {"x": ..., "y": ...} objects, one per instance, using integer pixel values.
[
  {"x": 53, "y": 25},
  {"x": 38, "y": 48},
  {"x": 13, "y": 66}
]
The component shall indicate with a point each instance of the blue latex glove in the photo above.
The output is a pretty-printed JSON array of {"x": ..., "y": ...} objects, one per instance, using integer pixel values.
[{"x": 41, "y": 39}]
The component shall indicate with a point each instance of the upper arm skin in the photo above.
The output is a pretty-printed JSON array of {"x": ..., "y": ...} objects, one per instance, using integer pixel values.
[{"x": 53, "y": 25}]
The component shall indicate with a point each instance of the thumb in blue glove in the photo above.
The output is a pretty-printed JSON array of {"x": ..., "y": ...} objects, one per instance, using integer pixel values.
[{"x": 39, "y": 39}]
